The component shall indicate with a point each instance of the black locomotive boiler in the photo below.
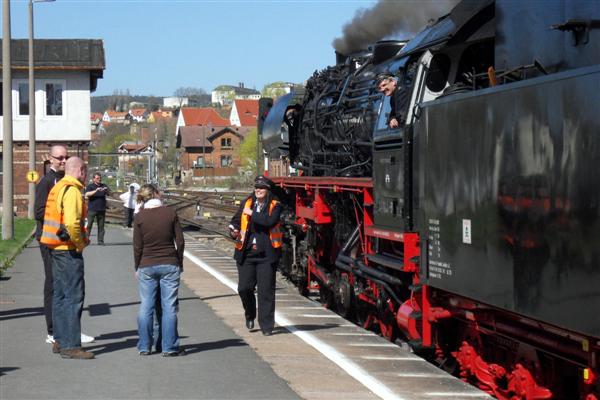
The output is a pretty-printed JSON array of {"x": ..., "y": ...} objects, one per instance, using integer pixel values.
[{"x": 472, "y": 231}]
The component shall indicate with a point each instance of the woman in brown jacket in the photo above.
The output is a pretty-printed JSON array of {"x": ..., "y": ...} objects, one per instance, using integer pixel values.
[{"x": 158, "y": 246}]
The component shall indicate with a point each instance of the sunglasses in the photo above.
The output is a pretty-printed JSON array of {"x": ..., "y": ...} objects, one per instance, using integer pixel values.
[{"x": 60, "y": 158}]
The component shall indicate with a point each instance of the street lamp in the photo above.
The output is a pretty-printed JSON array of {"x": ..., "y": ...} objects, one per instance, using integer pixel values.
[{"x": 30, "y": 211}]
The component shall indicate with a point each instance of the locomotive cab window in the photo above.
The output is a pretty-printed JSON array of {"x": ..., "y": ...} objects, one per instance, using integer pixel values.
[{"x": 384, "y": 107}]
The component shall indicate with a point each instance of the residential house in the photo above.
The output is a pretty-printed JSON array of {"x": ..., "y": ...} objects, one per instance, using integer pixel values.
[
  {"x": 156, "y": 116},
  {"x": 226, "y": 94},
  {"x": 115, "y": 117},
  {"x": 133, "y": 152},
  {"x": 244, "y": 113},
  {"x": 137, "y": 114},
  {"x": 210, "y": 151},
  {"x": 95, "y": 119},
  {"x": 66, "y": 72},
  {"x": 199, "y": 116},
  {"x": 175, "y": 102},
  {"x": 276, "y": 89}
]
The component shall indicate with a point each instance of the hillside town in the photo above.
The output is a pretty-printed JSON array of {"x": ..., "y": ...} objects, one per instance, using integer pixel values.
[{"x": 178, "y": 143}]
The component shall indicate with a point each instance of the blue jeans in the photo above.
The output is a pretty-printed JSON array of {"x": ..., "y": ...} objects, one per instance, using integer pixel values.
[
  {"x": 150, "y": 279},
  {"x": 67, "y": 300}
]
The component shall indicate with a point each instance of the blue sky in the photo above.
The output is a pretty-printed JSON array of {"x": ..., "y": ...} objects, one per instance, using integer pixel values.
[{"x": 153, "y": 47}]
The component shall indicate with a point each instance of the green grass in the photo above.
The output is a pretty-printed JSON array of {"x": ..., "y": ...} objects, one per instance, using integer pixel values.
[{"x": 22, "y": 228}]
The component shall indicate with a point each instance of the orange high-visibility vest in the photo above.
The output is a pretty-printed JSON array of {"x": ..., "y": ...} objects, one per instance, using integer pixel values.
[
  {"x": 275, "y": 233},
  {"x": 53, "y": 217}
]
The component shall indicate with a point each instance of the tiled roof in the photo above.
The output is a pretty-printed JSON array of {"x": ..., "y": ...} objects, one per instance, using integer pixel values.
[
  {"x": 196, "y": 136},
  {"x": 247, "y": 111},
  {"x": 137, "y": 112},
  {"x": 202, "y": 116},
  {"x": 132, "y": 147},
  {"x": 116, "y": 114},
  {"x": 95, "y": 116},
  {"x": 240, "y": 131}
]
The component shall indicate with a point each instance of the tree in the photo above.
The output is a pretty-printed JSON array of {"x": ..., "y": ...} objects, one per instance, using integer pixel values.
[
  {"x": 248, "y": 153},
  {"x": 193, "y": 94},
  {"x": 276, "y": 89}
]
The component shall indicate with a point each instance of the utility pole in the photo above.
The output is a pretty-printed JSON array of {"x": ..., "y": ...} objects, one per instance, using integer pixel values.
[
  {"x": 30, "y": 211},
  {"x": 7, "y": 140},
  {"x": 32, "y": 157},
  {"x": 203, "y": 157}
]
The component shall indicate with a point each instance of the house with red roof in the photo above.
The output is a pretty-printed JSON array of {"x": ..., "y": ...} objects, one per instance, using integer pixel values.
[
  {"x": 210, "y": 151},
  {"x": 244, "y": 113},
  {"x": 138, "y": 114},
  {"x": 115, "y": 117},
  {"x": 205, "y": 116},
  {"x": 95, "y": 119}
]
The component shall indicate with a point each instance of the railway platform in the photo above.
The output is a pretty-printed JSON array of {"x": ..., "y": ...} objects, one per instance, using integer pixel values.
[{"x": 313, "y": 354}]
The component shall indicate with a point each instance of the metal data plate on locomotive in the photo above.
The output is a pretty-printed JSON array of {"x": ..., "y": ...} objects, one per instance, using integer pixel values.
[{"x": 510, "y": 196}]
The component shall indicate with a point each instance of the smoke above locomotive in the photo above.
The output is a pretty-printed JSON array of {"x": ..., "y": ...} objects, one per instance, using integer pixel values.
[{"x": 388, "y": 18}]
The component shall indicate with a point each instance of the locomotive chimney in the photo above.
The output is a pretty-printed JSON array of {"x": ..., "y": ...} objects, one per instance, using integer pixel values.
[
  {"x": 340, "y": 58},
  {"x": 385, "y": 49}
]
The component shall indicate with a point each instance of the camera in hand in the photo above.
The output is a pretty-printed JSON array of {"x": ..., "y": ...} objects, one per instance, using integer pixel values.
[{"x": 63, "y": 234}]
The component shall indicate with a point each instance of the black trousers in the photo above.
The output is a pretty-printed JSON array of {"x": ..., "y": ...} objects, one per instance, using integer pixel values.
[
  {"x": 100, "y": 216},
  {"x": 48, "y": 287},
  {"x": 129, "y": 216},
  {"x": 258, "y": 272}
]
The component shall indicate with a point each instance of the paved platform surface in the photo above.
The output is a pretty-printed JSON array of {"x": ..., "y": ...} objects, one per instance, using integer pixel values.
[
  {"x": 220, "y": 365},
  {"x": 314, "y": 354}
]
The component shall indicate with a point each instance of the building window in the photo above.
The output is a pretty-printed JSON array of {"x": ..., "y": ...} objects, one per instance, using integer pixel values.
[
  {"x": 225, "y": 142},
  {"x": 226, "y": 161},
  {"x": 54, "y": 99},
  {"x": 200, "y": 162},
  {"x": 23, "y": 89}
]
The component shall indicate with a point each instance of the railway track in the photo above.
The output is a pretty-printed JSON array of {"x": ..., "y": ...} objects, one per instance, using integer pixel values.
[{"x": 207, "y": 213}]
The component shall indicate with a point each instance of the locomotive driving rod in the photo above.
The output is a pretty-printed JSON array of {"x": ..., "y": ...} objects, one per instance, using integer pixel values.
[
  {"x": 370, "y": 271},
  {"x": 360, "y": 273}
]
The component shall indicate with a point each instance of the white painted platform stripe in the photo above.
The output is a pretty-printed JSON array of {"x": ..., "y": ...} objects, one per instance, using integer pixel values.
[
  {"x": 460, "y": 395},
  {"x": 391, "y": 358},
  {"x": 319, "y": 316},
  {"x": 339, "y": 359},
  {"x": 354, "y": 334}
]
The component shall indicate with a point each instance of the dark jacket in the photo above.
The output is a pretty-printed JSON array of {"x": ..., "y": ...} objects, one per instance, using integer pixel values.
[
  {"x": 97, "y": 202},
  {"x": 42, "y": 190},
  {"x": 258, "y": 227},
  {"x": 157, "y": 238},
  {"x": 398, "y": 105}
]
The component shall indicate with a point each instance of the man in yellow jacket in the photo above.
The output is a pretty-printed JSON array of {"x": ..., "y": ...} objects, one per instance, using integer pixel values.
[{"x": 64, "y": 233}]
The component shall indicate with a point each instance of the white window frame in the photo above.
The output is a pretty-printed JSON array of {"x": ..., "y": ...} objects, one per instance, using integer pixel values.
[
  {"x": 3, "y": 105},
  {"x": 42, "y": 85},
  {"x": 16, "y": 98}
]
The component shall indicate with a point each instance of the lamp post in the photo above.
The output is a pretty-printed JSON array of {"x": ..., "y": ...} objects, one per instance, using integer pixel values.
[
  {"x": 30, "y": 211},
  {"x": 7, "y": 142}
]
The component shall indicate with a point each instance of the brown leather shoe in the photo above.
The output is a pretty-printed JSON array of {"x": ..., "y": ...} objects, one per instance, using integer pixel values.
[
  {"x": 56, "y": 348},
  {"x": 78, "y": 354}
]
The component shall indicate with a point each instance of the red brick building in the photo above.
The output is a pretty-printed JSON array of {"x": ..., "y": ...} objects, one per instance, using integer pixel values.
[{"x": 210, "y": 151}]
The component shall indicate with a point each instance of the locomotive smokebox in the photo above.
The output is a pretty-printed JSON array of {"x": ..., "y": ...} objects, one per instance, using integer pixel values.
[
  {"x": 386, "y": 49},
  {"x": 340, "y": 58}
]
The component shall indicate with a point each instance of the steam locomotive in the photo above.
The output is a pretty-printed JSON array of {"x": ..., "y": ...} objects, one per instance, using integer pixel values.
[{"x": 472, "y": 230}]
